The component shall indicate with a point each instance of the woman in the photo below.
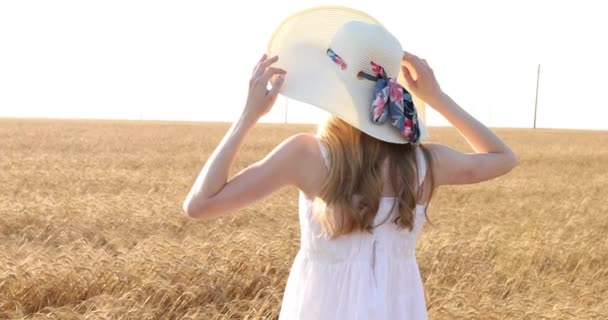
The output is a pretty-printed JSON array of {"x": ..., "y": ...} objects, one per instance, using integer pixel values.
[{"x": 365, "y": 179}]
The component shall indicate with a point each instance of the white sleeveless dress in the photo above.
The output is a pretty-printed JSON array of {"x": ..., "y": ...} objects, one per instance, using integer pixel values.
[{"x": 359, "y": 275}]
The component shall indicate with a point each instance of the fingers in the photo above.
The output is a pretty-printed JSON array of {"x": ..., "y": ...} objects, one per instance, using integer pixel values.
[
  {"x": 418, "y": 65},
  {"x": 264, "y": 73},
  {"x": 427, "y": 66},
  {"x": 410, "y": 56},
  {"x": 263, "y": 64},
  {"x": 269, "y": 73},
  {"x": 277, "y": 85},
  {"x": 425, "y": 63},
  {"x": 408, "y": 77},
  {"x": 258, "y": 64},
  {"x": 262, "y": 58},
  {"x": 412, "y": 60}
]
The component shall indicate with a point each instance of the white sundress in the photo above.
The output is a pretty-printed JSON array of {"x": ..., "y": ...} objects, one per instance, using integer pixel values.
[{"x": 359, "y": 275}]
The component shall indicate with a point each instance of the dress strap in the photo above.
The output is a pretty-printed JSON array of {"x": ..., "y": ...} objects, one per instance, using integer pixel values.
[
  {"x": 324, "y": 151},
  {"x": 421, "y": 162},
  {"x": 421, "y": 165}
]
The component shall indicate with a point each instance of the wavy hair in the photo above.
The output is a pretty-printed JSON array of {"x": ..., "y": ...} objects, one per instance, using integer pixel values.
[{"x": 353, "y": 189}]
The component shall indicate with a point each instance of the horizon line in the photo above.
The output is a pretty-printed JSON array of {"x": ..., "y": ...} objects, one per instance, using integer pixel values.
[{"x": 225, "y": 122}]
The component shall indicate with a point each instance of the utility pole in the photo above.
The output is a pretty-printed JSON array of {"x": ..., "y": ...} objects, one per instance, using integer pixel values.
[
  {"x": 536, "y": 99},
  {"x": 285, "y": 110}
]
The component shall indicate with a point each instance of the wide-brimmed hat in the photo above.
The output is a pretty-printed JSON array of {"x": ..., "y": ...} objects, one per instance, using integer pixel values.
[{"x": 347, "y": 63}]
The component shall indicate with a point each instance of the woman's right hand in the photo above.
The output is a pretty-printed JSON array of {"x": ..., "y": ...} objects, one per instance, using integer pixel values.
[
  {"x": 259, "y": 99},
  {"x": 420, "y": 78},
  {"x": 492, "y": 157}
]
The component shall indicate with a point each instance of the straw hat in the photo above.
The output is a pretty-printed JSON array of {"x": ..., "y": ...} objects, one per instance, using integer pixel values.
[{"x": 324, "y": 49}]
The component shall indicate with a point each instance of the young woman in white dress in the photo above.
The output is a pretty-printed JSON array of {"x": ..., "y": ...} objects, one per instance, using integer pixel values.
[{"x": 365, "y": 178}]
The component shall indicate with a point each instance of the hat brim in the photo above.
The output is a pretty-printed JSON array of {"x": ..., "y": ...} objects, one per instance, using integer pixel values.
[{"x": 301, "y": 42}]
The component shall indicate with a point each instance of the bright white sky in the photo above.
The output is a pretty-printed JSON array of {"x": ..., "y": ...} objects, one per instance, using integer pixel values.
[{"x": 191, "y": 60}]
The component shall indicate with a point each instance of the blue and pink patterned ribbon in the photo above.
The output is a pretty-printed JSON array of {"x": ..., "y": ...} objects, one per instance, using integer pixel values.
[
  {"x": 392, "y": 101},
  {"x": 336, "y": 58}
]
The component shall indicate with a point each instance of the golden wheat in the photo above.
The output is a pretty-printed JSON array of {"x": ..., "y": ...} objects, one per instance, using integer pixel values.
[{"x": 91, "y": 227}]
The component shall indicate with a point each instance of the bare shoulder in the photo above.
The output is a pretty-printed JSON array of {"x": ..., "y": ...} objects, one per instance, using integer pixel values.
[
  {"x": 308, "y": 140},
  {"x": 301, "y": 144},
  {"x": 435, "y": 149},
  {"x": 306, "y": 161},
  {"x": 306, "y": 148}
]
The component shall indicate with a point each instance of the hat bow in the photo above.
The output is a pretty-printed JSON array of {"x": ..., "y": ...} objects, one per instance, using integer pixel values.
[{"x": 392, "y": 101}]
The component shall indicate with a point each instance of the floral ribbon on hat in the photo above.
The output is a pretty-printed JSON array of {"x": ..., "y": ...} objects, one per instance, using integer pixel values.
[
  {"x": 392, "y": 101},
  {"x": 336, "y": 58}
]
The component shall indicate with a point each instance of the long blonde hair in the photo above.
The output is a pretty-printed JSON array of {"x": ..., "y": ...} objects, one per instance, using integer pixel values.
[{"x": 354, "y": 186}]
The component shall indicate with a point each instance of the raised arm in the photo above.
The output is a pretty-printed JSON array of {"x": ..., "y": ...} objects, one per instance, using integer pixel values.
[
  {"x": 492, "y": 157},
  {"x": 212, "y": 193}
]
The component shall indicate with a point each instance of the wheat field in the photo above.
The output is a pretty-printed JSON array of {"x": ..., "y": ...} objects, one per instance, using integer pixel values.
[{"x": 91, "y": 227}]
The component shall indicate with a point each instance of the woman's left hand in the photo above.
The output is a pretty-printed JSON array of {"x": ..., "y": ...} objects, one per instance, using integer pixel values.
[{"x": 260, "y": 99}]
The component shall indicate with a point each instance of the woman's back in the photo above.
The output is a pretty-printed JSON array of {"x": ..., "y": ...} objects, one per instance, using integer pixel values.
[{"x": 357, "y": 275}]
